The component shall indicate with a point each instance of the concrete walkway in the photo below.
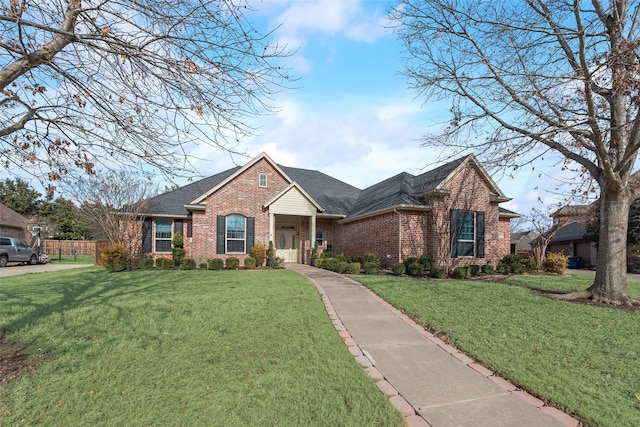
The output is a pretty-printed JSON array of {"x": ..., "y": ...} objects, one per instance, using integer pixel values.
[{"x": 429, "y": 381}]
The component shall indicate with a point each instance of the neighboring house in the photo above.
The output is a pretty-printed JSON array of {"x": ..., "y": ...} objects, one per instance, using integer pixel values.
[
  {"x": 451, "y": 212},
  {"x": 12, "y": 224},
  {"x": 570, "y": 238},
  {"x": 521, "y": 241}
]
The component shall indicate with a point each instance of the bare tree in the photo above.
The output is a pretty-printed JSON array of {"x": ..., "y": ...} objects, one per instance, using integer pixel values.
[
  {"x": 132, "y": 82},
  {"x": 114, "y": 203},
  {"x": 545, "y": 227},
  {"x": 539, "y": 78}
]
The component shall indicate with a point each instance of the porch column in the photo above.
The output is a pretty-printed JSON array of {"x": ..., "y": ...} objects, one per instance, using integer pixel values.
[
  {"x": 312, "y": 239},
  {"x": 272, "y": 226}
]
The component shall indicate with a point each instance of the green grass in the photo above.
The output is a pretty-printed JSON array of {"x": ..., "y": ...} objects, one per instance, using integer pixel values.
[
  {"x": 583, "y": 359},
  {"x": 70, "y": 259},
  {"x": 181, "y": 348}
]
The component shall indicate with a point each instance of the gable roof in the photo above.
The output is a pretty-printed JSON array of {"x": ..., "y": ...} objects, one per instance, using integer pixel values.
[
  {"x": 12, "y": 219},
  {"x": 573, "y": 231},
  {"x": 334, "y": 197}
]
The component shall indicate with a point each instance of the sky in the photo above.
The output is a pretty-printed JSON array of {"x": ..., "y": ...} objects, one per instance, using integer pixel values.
[{"x": 351, "y": 113}]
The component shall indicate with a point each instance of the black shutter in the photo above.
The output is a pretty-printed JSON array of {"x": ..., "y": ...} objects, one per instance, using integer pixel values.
[
  {"x": 453, "y": 234},
  {"x": 479, "y": 234},
  {"x": 220, "y": 233},
  {"x": 147, "y": 235},
  {"x": 177, "y": 227},
  {"x": 250, "y": 234}
]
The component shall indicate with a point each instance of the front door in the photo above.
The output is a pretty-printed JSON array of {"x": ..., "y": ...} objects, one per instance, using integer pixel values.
[{"x": 287, "y": 244}]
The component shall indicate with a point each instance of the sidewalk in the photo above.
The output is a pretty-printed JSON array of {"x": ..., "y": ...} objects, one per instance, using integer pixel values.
[{"x": 430, "y": 382}]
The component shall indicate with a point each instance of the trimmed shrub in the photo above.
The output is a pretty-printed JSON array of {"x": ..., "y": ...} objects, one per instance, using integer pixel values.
[
  {"x": 232, "y": 263},
  {"x": 319, "y": 262},
  {"x": 177, "y": 252},
  {"x": 524, "y": 264},
  {"x": 326, "y": 254},
  {"x": 215, "y": 264},
  {"x": 555, "y": 263},
  {"x": 409, "y": 261},
  {"x": 459, "y": 273},
  {"x": 342, "y": 266},
  {"x": 487, "y": 269},
  {"x": 352, "y": 268},
  {"x": 342, "y": 258},
  {"x": 518, "y": 268},
  {"x": 330, "y": 264},
  {"x": 415, "y": 269},
  {"x": 426, "y": 261},
  {"x": 147, "y": 263},
  {"x": 371, "y": 257},
  {"x": 503, "y": 268},
  {"x": 249, "y": 263},
  {"x": 398, "y": 269},
  {"x": 371, "y": 267},
  {"x": 437, "y": 272},
  {"x": 258, "y": 253},
  {"x": 475, "y": 269},
  {"x": 164, "y": 263},
  {"x": 115, "y": 257},
  {"x": 203, "y": 266},
  {"x": 278, "y": 262},
  {"x": 188, "y": 264}
]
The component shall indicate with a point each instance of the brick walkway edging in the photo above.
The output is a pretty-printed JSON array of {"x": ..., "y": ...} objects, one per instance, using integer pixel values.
[{"x": 412, "y": 418}]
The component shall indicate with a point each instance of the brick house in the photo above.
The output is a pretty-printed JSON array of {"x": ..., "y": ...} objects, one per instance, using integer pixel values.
[
  {"x": 451, "y": 212},
  {"x": 12, "y": 224}
]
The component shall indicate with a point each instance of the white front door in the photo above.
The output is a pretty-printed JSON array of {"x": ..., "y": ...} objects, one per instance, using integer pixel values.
[{"x": 287, "y": 244}]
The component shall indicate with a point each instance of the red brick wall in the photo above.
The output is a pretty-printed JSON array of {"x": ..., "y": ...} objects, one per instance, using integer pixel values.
[{"x": 378, "y": 235}]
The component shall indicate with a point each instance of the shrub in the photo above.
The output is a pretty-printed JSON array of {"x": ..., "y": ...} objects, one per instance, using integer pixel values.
[
  {"x": 319, "y": 262},
  {"x": 415, "y": 269},
  {"x": 330, "y": 264},
  {"x": 459, "y": 273},
  {"x": 216, "y": 264},
  {"x": 203, "y": 266},
  {"x": 278, "y": 262},
  {"x": 409, "y": 261},
  {"x": 487, "y": 269},
  {"x": 426, "y": 261},
  {"x": 436, "y": 271},
  {"x": 518, "y": 268},
  {"x": 232, "y": 263},
  {"x": 398, "y": 269},
  {"x": 475, "y": 269},
  {"x": 188, "y": 264},
  {"x": 115, "y": 257},
  {"x": 326, "y": 254},
  {"x": 164, "y": 263},
  {"x": 352, "y": 268},
  {"x": 249, "y": 263},
  {"x": 177, "y": 252},
  {"x": 371, "y": 257},
  {"x": 525, "y": 264},
  {"x": 147, "y": 263},
  {"x": 258, "y": 253},
  {"x": 503, "y": 268},
  {"x": 341, "y": 267},
  {"x": 342, "y": 258},
  {"x": 555, "y": 263},
  {"x": 371, "y": 267}
]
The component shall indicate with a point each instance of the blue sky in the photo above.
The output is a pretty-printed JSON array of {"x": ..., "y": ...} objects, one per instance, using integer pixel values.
[{"x": 351, "y": 114}]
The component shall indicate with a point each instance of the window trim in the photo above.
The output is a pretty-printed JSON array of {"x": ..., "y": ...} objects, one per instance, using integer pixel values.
[
  {"x": 235, "y": 239},
  {"x": 156, "y": 238},
  {"x": 477, "y": 221},
  {"x": 266, "y": 180}
]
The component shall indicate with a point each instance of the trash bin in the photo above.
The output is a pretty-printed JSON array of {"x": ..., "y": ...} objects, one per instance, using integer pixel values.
[{"x": 575, "y": 262}]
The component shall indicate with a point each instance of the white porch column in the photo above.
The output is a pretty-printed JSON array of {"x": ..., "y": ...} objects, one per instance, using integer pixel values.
[
  {"x": 312, "y": 239},
  {"x": 272, "y": 227}
]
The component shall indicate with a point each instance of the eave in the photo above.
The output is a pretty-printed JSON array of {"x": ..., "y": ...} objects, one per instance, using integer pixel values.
[{"x": 391, "y": 209}]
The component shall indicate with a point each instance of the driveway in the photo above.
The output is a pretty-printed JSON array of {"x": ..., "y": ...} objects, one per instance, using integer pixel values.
[
  {"x": 16, "y": 269},
  {"x": 632, "y": 277}
]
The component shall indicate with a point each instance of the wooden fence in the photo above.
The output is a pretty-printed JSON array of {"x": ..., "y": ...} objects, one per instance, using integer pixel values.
[{"x": 53, "y": 248}]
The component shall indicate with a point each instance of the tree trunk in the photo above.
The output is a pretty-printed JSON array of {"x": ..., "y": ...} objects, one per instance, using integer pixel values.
[{"x": 610, "y": 284}]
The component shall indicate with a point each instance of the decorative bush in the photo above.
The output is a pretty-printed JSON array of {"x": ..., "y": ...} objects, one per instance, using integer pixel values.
[
  {"x": 409, "y": 261},
  {"x": 258, "y": 253},
  {"x": 371, "y": 267},
  {"x": 330, "y": 264},
  {"x": 415, "y": 269},
  {"x": 147, "y": 263},
  {"x": 342, "y": 266},
  {"x": 352, "y": 268},
  {"x": 518, "y": 268},
  {"x": 436, "y": 271},
  {"x": 188, "y": 264},
  {"x": 177, "y": 252},
  {"x": 555, "y": 263},
  {"x": 249, "y": 263},
  {"x": 426, "y": 261},
  {"x": 115, "y": 257},
  {"x": 216, "y": 264},
  {"x": 232, "y": 263},
  {"x": 271, "y": 253},
  {"x": 503, "y": 268},
  {"x": 203, "y": 266},
  {"x": 487, "y": 269},
  {"x": 524, "y": 264},
  {"x": 398, "y": 269},
  {"x": 164, "y": 263},
  {"x": 278, "y": 262},
  {"x": 372, "y": 258},
  {"x": 475, "y": 270},
  {"x": 319, "y": 262},
  {"x": 326, "y": 254},
  {"x": 459, "y": 273}
]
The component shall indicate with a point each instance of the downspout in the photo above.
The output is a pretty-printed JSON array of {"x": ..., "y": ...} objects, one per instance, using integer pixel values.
[{"x": 399, "y": 234}]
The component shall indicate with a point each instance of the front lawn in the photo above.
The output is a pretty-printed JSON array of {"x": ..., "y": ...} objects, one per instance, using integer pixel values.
[
  {"x": 583, "y": 359},
  {"x": 180, "y": 348}
]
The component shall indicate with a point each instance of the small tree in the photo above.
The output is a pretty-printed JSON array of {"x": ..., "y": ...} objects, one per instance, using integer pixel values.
[{"x": 177, "y": 252}]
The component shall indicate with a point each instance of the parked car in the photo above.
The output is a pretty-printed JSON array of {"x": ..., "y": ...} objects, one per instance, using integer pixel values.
[{"x": 14, "y": 250}]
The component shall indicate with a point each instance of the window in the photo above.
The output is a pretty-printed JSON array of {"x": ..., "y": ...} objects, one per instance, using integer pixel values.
[
  {"x": 235, "y": 234},
  {"x": 262, "y": 180},
  {"x": 163, "y": 236},
  {"x": 319, "y": 238},
  {"x": 467, "y": 234}
]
